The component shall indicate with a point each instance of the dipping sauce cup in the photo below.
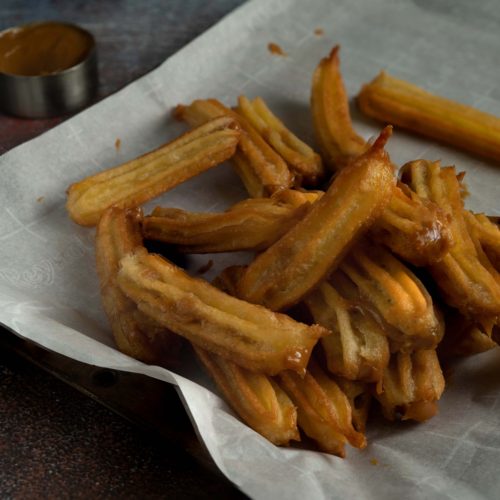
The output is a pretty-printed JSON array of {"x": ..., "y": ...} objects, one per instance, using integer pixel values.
[{"x": 46, "y": 69}]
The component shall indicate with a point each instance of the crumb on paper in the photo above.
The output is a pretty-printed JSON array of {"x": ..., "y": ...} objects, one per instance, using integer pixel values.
[
  {"x": 373, "y": 461},
  {"x": 319, "y": 32},
  {"x": 40, "y": 199},
  {"x": 275, "y": 49},
  {"x": 118, "y": 144},
  {"x": 205, "y": 267}
]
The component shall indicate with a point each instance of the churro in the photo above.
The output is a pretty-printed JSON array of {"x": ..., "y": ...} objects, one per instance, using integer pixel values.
[
  {"x": 250, "y": 335},
  {"x": 262, "y": 170},
  {"x": 118, "y": 233},
  {"x": 396, "y": 294},
  {"x": 301, "y": 159},
  {"x": 255, "y": 397},
  {"x": 139, "y": 180},
  {"x": 252, "y": 224},
  {"x": 323, "y": 410},
  {"x": 289, "y": 269},
  {"x": 400, "y": 103},
  {"x": 357, "y": 348},
  {"x": 465, "y": 276},
  {"x": 411, "y": 386},
  {"x": 337, "y": 140}
]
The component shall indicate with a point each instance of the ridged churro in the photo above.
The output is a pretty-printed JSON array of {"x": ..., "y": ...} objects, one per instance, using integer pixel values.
[
  {"x": 415, "y": 229},
  {"x": 357, "y": 348},
  {"x": 466, "y": 336},
  {"x": 412, "y": 385},
  {"x": 289, "y": 269},
  {"x": 252, "y": 224},
  {"x": 301, "y": 159},
  {"x": 396, "y": 294},
  {"x": 465, "y": 276},
  {"x": 323, "y": 410},
  {"x": 262, "y": 170},
  {"x": 400, "y": 103},
  {"x": 255, "y": 397},
  {"x": 139, "y": 180},
  {"x": 250, "y": 335},
  {"x": 337, "y": 140},
  {"x": 118, "y": 233},
  {"x": 487, "y": 233},
  {"x": 360, "y": 398}
]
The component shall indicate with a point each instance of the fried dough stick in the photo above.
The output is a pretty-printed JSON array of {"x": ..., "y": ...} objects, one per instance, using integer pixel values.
[
  {"x": 412, "y": 385},
  {"x": 396, "y": 294},
  {"x": 262, "y": 170},
  {"x": 401, "y": 103},
  {"x": 289, "y": 269},
  {"x": 466, "y": 336},
  {"x": 119, "y": 233},
  {"x": 139, "y": 180},
  {"x": 250, "y": 335},
  {"x": 357, "y": 348},
  {"x": 487, "y": 233},
  {"x": 465, "y": 276},
  {"x": 323, "y": 410},
  {"x": 360, "y": 398},
  {"x": 301, "y": 159},
  {"x": 337, "y": 140},
  {"x": 414, "y": 229},
  {"x": 252, "y": 224},
  {"x": 255, "y": 397}
]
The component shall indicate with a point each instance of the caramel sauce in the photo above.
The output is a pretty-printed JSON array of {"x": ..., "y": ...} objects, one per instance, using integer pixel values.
[
  {"x": 43, "y": 48},
  {"x": 275, "y": 49}
]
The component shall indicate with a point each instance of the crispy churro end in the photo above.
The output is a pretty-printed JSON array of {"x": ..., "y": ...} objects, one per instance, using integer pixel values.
[
  {"x": 383, "y": 137},
  {"x": 334, "y": 55},
  {"x": 179, "y": 112}
]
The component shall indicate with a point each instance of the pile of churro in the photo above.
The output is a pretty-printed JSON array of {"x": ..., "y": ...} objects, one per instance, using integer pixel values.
[{"x": 366, "y": 277}]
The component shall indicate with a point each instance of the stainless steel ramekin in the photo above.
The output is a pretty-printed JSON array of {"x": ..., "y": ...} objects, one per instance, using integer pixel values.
[{"x": 54, "y": 94}]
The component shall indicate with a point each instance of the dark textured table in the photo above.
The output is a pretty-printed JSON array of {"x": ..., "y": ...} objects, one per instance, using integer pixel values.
[{"x": 55, "y": 441}]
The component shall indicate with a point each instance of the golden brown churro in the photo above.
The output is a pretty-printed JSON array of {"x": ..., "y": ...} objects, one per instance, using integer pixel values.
[
  {"x": 302, "y": 160},
  {"x": 487, "y": 233},
  {"x": 412, "y": 385},
  {"x": 262, "y": 170},
  {"x": 323, "y": 410},
  {"x": 465, "y": 276},
  {"x": 250, "y": 335},
  {"x": 338, "y": 142},
  {"x": 252, "y": 224},
  {"x": 256, "y": 397},
  {"x": 144, "y": 178},
  {"x": 118, "y": 234},
  {"x": 288, "y": 270},
  {"x": 396, "y": 294},
  {"x": 466, "y": 336},
  {"x": 357, "y": 348},
  {"x": 360, "y": 398},
  {"x": 403, "y": 104},
  {"x": 415, "y": 229}
]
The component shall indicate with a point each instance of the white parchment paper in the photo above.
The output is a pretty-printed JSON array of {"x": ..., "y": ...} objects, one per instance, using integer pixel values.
[{"x": 48, "y": 284}]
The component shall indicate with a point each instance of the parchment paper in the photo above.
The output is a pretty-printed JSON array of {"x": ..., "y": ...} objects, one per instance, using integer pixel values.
[{"x": 48, "y": 285}]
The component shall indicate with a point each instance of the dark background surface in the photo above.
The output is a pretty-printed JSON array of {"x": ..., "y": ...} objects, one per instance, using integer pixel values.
[{"x": 56, "y": 442}]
